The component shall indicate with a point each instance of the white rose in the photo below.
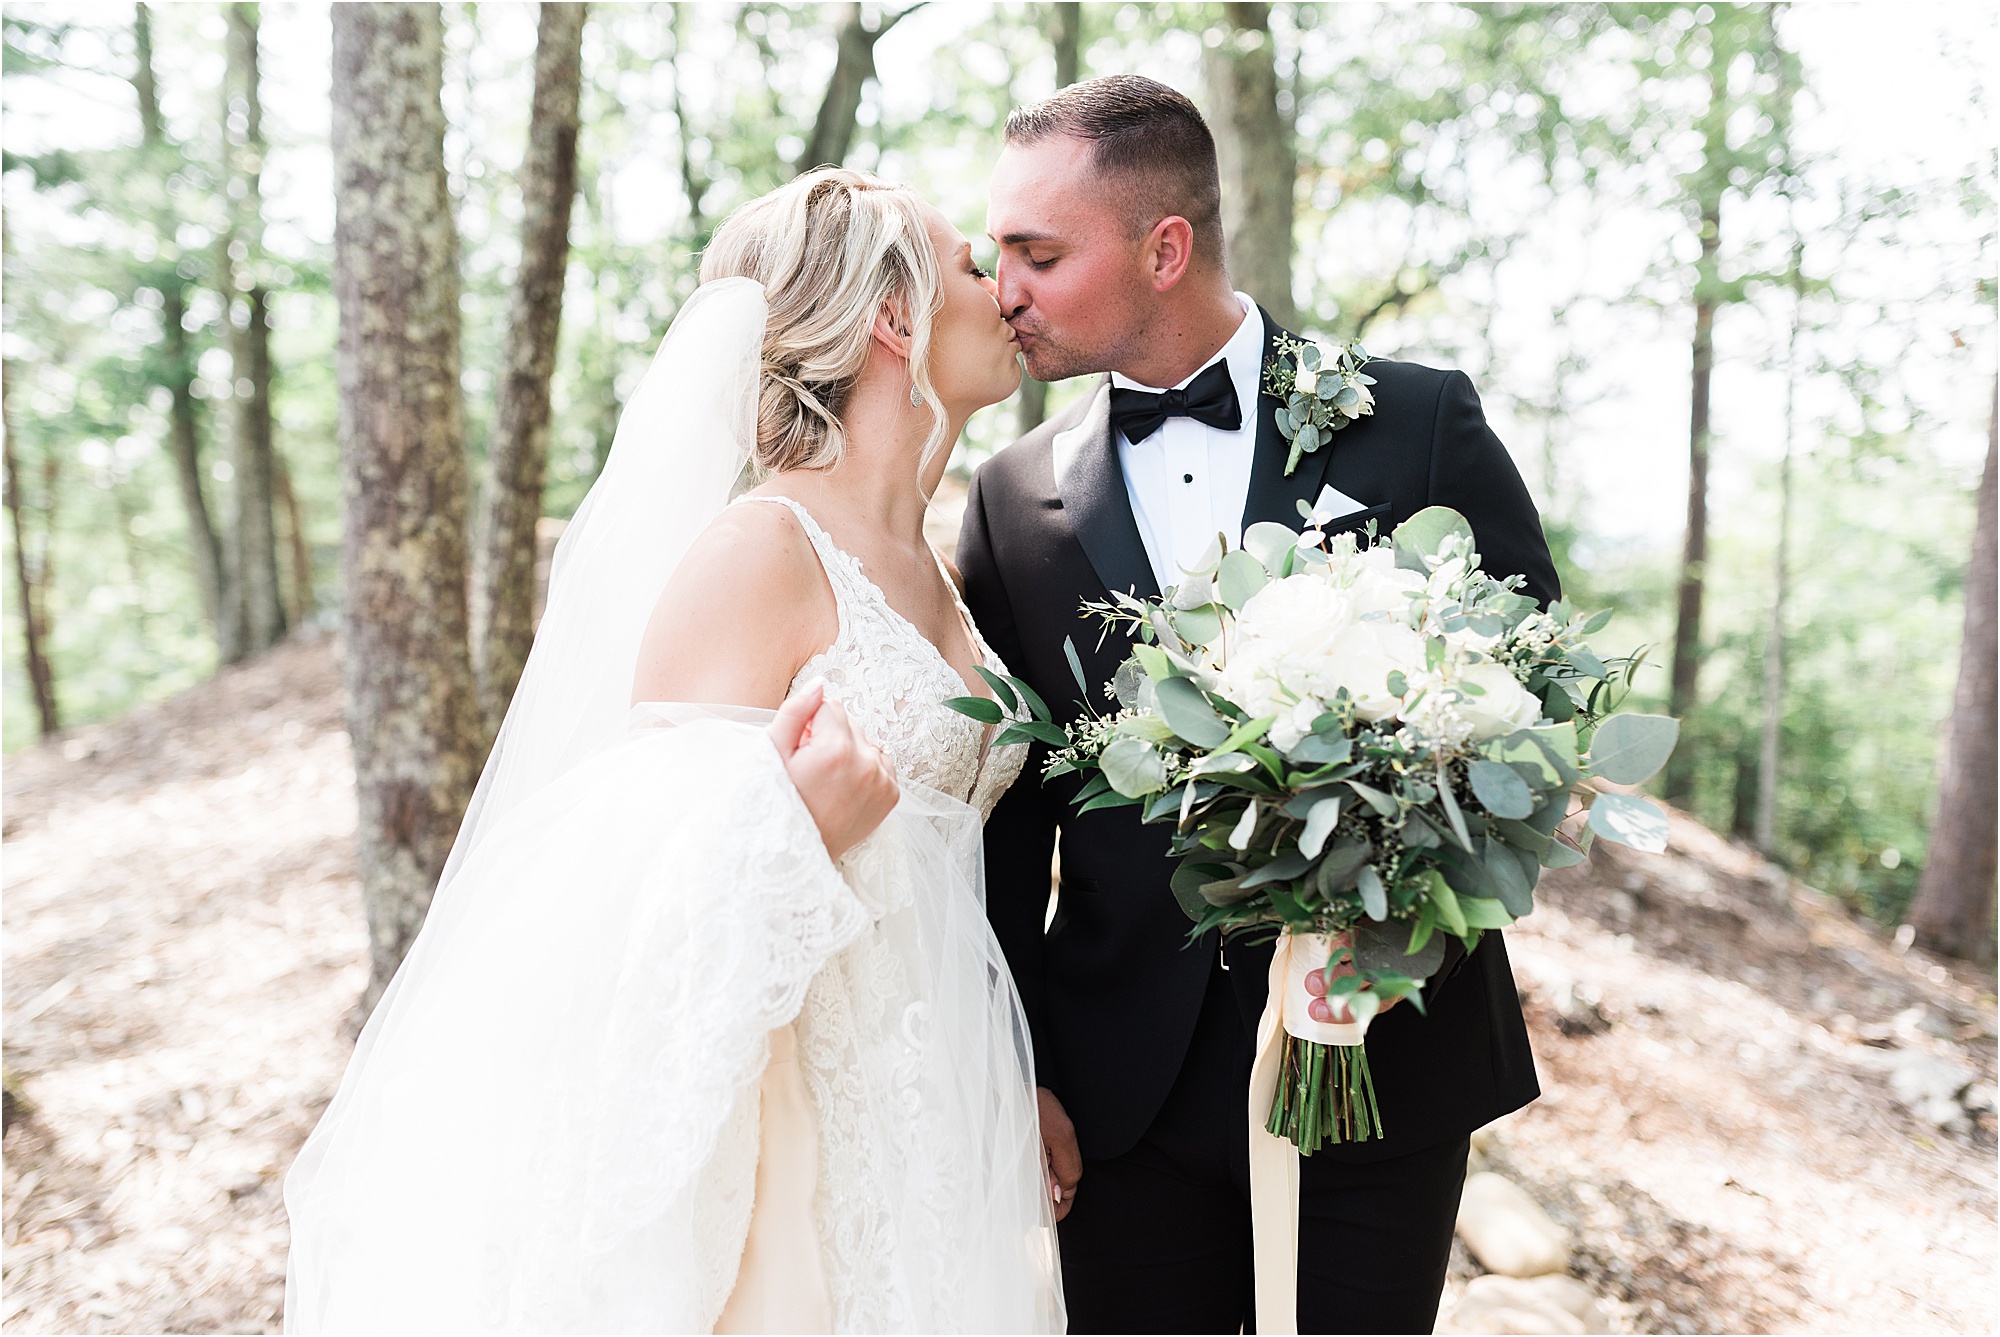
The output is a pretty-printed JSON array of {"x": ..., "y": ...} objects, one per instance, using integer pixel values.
[
  {"x": 1295, "y": 724},
  {"x": 1503, "y": 705},
  {"x": 1363, "y": 661}
]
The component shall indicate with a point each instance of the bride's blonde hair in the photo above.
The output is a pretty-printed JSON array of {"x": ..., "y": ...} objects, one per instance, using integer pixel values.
[{"x": 832, "y": 249}]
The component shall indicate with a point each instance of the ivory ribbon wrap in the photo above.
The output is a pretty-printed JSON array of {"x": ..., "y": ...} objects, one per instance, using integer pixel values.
[{"x": 1274, "y": 1161}]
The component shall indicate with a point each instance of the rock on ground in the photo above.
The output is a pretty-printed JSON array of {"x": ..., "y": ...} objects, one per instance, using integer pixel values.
[{"x": 1507, "y": 1230}]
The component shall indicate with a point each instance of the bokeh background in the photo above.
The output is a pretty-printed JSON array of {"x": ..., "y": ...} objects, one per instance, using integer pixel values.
[{"x": 1770, "y": 1096}]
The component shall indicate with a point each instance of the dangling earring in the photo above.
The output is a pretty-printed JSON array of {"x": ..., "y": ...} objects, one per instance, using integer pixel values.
[{"x": 916, "y": 396}]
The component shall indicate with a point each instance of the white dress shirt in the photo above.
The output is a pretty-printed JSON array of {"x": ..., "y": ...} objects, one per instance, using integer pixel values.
[{"x": 1188, "y": 481}]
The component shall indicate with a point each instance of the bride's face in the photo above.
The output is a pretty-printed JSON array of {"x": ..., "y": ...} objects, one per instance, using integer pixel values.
[{"x": 974, "y": 353}]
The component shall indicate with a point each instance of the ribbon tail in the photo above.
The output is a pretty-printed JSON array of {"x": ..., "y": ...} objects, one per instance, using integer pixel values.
[{"x": 1274, "y": 1168}]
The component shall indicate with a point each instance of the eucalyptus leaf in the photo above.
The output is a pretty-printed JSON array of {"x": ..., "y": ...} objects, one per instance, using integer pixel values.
[
  {"x": 1269, "y": 542},
  {"x": 1426, "y": 531},
  {"x": 1385, "y": 947},
  {"x": 1630, "y": 820},
  {"x": 1319, "y": 750},
  {"x": 1241, "y": 576},
  {"x": 1382, "y": 803},
  {"x": 1125, "y": 683},
  {"x": 1446, "y": 901},
  {"x": 1503, "y": 873},
  {"x": 1199, "y": 626},
  {"x": 1562, "y": 854},
  {"x": 1325, "y": 815},
  {"x": 1500, "y": 790},
  {"x": 1630, "y": 749},
  {"x": 1374, "y": 896},
  {"x": 1188, "y": 713},
  {"x": 1481, "y": 913},
  {"x": 1586, "y": 663},
  {"x": 1281, "y": 869},
  {"x": 1134, "y": 768}
]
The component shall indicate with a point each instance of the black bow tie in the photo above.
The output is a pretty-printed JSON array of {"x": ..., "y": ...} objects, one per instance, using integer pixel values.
[{"x": 1210, "y": 399}]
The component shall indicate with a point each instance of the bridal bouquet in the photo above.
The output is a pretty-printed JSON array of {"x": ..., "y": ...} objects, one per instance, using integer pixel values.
[{"x": 1362, "y": 749}]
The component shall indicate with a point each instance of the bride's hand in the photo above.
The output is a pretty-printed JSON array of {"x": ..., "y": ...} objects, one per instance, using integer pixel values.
[
  {"x": 1316, "y": 981},
  {"x": 847, "y": 784}
]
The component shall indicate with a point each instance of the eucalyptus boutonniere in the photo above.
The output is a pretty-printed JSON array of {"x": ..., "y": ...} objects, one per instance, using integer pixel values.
[{"x": 1322, "y": 390}]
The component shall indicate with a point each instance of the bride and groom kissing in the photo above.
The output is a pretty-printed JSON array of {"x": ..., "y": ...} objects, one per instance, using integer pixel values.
[{"x": 738, "y": 1007}]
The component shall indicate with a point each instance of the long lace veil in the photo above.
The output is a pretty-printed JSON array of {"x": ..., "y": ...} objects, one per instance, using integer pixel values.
[{"x": 683, "y": 440}]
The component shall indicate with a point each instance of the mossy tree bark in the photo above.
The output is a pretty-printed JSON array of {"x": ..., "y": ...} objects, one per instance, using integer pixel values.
[
  {"x": 503, "y": 573},
  {"x": 411, "y": 709}
]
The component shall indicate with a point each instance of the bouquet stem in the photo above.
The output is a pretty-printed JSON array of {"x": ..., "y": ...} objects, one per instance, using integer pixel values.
[{"x": 1325, "y": 1096}]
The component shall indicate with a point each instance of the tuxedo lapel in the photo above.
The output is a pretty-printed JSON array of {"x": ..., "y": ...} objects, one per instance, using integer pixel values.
[
  {"x": 1092, "y": 488},
  {"x": 1272, "y": 495}
]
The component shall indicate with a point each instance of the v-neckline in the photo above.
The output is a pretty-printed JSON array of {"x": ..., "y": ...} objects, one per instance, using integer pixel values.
[{"x": 979, "y": 648}]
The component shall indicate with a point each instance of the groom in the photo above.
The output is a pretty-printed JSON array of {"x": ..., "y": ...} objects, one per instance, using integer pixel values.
[{"x": 1105, "y": 208}]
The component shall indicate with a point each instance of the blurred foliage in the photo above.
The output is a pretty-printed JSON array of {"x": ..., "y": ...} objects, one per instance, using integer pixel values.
[{"x": 1503, "y": 187}]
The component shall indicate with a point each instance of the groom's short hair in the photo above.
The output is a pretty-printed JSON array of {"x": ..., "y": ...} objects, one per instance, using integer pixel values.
[{"x": 1147, "y": 135}]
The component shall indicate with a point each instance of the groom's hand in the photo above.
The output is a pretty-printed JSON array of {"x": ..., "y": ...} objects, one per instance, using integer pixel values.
[
  {"x": 1059, "y": 1151},
  {"x": 847, "y": 784}
]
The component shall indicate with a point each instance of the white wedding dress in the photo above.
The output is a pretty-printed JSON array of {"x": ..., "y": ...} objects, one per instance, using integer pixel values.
[{"x": 564, "y": 1114}]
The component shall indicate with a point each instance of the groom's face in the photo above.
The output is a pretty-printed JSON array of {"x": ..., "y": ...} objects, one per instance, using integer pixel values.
[{"x": 1072, "y": 278}]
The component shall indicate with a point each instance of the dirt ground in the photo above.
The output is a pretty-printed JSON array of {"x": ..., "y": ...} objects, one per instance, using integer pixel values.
[{"x": 183, "y": 947}]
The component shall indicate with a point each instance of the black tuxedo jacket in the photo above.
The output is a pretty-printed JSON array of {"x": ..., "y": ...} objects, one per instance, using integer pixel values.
[{"x": 1113, "y": 988}]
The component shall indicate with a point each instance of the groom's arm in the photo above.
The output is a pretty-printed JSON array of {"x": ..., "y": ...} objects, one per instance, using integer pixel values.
[
  {"x": 1472, "y": 473},
  {"x": 1021, "y": 833}
]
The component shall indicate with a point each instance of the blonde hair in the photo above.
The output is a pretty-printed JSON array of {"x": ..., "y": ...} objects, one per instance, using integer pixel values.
[{"x": 832, "y": 248}]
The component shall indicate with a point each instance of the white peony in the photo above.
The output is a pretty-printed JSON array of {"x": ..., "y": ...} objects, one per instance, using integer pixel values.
[
  {"x": 1503, "y": 705},
  {"x": 1367, "y": 654}
]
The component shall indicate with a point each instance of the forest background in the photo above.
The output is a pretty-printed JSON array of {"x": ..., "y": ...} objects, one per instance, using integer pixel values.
[{"x": 1751, "y": 247}]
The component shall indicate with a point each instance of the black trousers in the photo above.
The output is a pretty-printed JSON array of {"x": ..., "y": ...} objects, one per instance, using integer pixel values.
[{"x": 1159, "y": 1238}]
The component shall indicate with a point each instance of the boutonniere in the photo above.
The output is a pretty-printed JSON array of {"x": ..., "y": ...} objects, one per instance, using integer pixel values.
[{"x": 1323, "y": 391}]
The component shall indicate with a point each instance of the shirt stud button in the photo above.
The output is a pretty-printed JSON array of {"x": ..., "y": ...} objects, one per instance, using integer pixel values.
[{"x": 1187, "y": 478}]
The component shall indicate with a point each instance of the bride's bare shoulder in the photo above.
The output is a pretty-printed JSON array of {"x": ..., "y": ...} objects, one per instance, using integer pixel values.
[{"x": 745, "y": 609}]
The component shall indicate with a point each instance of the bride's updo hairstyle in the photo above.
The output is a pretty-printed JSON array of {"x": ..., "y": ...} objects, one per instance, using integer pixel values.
[{"x": 832, "y": 249}]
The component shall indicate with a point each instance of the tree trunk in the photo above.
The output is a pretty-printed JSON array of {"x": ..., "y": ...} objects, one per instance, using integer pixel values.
[
  {"x": 503, "y": 572},
  {"x": 853, "y": 66},
  {"x": 1679, "y": 780},
  {"x": 1765, "y": 828},
  {"x": 254, "y": 535},
  {"x": 1953, "y": 912},
  {"x": 29, "y": 588},
  {"x": 1710, "y": 183},
  {"x": 299, "y": 605},
  {"x": 410, "y": 704},
  {"x": 1254, "y": 149},
  {"x": 183, "y": 430},
  {"x": 1065, "y": 29},
  {"x": 694, "y": 181}
]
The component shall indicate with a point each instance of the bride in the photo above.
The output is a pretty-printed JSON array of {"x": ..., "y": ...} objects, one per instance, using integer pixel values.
[{"x": 689, "y": 1042}]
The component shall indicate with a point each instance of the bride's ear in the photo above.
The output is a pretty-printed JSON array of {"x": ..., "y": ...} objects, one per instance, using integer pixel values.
[{"x": 892, "y": 331}]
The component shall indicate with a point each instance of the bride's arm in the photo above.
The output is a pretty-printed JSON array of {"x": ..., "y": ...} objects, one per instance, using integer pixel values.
[{"x": 747, "y": 607}]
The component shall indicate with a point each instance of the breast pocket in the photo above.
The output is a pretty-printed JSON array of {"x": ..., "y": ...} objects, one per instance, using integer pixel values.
[{"x": 1357, "y": 521}]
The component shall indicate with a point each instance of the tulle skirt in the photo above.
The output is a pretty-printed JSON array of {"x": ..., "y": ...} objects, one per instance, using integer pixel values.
[{"x": 551, "y": 1121}]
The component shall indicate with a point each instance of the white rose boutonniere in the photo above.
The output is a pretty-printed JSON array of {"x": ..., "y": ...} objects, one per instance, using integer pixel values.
[{"x": 1322, "y": 390}]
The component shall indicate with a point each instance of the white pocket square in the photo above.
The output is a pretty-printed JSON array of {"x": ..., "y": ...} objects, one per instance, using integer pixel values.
[{"x": 1333, "y": 504}]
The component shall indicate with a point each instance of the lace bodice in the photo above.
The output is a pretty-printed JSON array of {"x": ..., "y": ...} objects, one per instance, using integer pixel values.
[{"x": 893, "y": 683}]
